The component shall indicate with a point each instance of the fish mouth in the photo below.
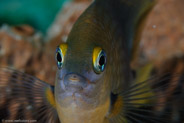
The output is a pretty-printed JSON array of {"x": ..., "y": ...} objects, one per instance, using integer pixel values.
[
  {"x": 76, "y": 83},
  {"x": 77, "y": 89},
  {"x": 73, "y": 80}
]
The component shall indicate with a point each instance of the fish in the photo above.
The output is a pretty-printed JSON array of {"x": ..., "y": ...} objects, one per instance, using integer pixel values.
[{"x": 94, "y": 80}]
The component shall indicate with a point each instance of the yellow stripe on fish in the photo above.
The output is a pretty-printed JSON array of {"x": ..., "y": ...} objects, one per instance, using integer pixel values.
[{"x": 50, "y": 97}]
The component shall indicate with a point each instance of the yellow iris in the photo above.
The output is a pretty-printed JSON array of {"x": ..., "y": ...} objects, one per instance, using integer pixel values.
[
  {"x": 60, "y": 54},
  {"x": 99, "y": 59},
  {"x": 63, "y": 47}
]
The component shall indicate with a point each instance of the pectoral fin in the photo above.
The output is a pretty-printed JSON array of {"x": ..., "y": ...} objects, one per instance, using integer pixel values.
[
  {"x": 150, "y": 101},
  {"x": 24, "y": 97}
]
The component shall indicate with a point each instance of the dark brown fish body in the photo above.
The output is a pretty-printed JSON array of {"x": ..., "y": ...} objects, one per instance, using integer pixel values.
[{"x": 109, "y": 25}]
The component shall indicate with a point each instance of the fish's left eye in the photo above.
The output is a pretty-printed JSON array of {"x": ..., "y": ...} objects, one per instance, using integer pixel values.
[{"x": 99, "y": 59}]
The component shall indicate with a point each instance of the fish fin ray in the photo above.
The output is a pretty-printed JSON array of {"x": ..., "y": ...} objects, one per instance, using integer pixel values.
[
  {"x": 26, "y": 97},
  {"x": 153, "y": 104}
]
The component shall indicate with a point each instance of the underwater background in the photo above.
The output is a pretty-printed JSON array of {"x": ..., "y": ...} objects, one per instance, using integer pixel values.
[{"x": 37, "y": 13}]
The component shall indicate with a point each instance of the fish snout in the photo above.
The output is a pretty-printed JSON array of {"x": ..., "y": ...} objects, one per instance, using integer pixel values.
[{"x": 74, "y": 81}]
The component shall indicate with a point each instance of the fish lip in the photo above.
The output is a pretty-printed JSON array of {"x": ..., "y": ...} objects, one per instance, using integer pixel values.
[
  {"x": 73, "y": 88},
  {"x": 75, "y": 91},
  {"x": 74, "y": 80},
  {"x": 70, "y": 89}
]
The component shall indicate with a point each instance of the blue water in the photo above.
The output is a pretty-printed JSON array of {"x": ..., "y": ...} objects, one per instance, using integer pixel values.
[{"x": 37, "y": 13}]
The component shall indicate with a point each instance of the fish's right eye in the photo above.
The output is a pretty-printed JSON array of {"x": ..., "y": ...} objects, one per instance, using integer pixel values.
[
  {"x": 59, "y": 58},
  {"x": 60, "y": 54}
]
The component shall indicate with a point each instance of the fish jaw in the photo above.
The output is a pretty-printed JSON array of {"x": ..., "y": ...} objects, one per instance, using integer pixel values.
[
  {"x": 74, "y": 114},
  {"x": 80, "y": 100}
]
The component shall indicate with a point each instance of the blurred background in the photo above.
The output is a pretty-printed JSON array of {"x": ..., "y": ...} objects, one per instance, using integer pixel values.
[
  {"x": 37, "y": 13},
  {"x": 31, "y": 30}
]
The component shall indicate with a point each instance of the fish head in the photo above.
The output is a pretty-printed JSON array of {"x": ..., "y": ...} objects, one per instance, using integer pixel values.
[
  {"x": 82, "y": 76},
  {"x": 82, "y": 83}
]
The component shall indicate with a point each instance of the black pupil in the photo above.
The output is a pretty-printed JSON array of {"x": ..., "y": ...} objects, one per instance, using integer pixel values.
[
  {"x": 102, "y": 60},
  {"x": 59, "y": 59}
]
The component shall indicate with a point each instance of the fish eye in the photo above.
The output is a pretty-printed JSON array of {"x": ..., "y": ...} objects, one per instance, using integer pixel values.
[
  {"x": 60, "y": 53},
  {"x": 59, "y": 58},
  {"x": 99, "y": 59}
]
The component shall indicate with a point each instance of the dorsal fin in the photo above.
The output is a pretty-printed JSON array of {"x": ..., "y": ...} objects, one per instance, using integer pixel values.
[
  {"x": 129, "y": 15},
  {"x": 136, "y": 14},
  {"x": 143, "y": 9}
]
